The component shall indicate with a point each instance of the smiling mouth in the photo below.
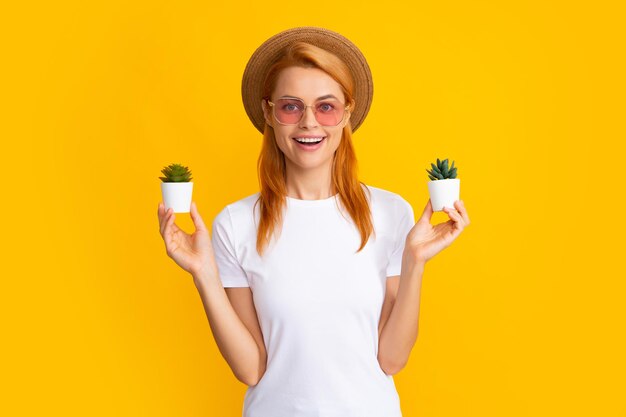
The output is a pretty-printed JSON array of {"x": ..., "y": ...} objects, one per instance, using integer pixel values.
[{"x": 310, "y": 141}]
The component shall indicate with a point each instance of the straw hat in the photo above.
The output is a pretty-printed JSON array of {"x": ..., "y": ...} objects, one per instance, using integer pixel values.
[{"x": 272, "y": 49}]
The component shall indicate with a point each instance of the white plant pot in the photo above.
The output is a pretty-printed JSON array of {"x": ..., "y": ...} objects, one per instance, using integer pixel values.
[
  {"x": 177, "y": 195},
  {"x": 443, "y": 193}
]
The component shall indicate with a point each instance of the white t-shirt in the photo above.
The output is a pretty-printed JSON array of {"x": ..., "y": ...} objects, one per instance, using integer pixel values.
[{"x": 318, "y": 303}]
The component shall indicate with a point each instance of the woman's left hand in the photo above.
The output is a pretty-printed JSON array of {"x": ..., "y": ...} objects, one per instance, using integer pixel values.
[{"x": 425, "y": 240}]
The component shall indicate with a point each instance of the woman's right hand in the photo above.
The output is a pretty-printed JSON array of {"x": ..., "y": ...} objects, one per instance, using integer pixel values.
[{"x": 193, "y": 253}]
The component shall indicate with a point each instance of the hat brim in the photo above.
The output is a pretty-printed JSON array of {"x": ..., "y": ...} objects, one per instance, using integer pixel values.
[{"x": 272, "y": 49}]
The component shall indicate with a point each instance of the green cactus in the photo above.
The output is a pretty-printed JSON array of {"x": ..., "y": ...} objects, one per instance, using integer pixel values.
[
  {"x": 441, "y": 171},
  {"x": 176, "y": 173}
]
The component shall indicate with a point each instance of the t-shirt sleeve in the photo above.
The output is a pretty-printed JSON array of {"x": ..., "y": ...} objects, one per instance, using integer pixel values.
[
  {"x": 405, "y": 221},
  {"x": 223, "y": 241}
]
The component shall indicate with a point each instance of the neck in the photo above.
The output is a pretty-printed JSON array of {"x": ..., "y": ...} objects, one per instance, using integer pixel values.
[{"x": 309, "y": 184}]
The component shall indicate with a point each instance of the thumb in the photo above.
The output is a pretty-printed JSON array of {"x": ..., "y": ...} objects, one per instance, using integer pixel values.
[
  {"x": 195, "y": 216},
  {"x": 428, "y": 212}
]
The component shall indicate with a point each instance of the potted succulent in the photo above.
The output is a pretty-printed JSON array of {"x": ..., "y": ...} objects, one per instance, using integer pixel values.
[
  {"x": 177, "y": 188},
  {"x": 444, "y": 187}
]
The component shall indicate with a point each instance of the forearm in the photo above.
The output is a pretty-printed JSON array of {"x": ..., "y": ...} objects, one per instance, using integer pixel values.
[
  {"x": 399, "y": 334},
  {"x": 234, "y": 340}
]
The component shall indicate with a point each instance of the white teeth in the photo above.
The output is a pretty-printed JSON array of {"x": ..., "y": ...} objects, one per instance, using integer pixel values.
[{"x": 309, "y": 140}]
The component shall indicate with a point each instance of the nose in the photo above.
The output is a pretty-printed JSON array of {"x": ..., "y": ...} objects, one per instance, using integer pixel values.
[{"x": 308, "y": 117}]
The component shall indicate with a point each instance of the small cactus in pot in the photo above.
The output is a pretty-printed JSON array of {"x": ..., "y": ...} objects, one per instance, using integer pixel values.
[
  {"x": 177, "y": 188},
  {"x": 443, "y": 187}
]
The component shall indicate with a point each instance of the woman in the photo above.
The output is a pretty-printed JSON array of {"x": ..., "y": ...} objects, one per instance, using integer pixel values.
[{"x": 312, "y": 285}]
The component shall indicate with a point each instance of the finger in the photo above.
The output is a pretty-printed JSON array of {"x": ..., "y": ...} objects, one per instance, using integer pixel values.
[
  {"x": 163, "y": 223},
  {"x": 195, "y": 216},
  {"x": 161, "y": 220},
  {"x": 168, "y": 214},
  {"x": 427, "y": 214},
  {"x": 449, "y": 210},
  {"x": 455, "y": 216},
  {"x": 169, "y": 225},
  {"x": 160, "y": 214},
  {"x": 460, "y": 206},
  {"x": 455, "y": 230}
]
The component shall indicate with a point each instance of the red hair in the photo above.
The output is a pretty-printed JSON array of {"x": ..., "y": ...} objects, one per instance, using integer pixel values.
[{"x": 271, "y": 161}]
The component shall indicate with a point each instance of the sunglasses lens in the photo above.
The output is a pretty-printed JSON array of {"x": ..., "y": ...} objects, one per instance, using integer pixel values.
[
  {"x": 290, "y": 111},
  {"x": 329, "y": 113}
]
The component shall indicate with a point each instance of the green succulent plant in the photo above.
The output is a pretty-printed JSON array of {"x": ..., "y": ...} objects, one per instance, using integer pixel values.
[
  {"x": 176, "y": 173},
  {"x": 441, "y": 171}
]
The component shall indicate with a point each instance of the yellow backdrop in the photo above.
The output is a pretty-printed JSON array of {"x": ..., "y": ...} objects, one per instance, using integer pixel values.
[{"x": 522, "y": 316}]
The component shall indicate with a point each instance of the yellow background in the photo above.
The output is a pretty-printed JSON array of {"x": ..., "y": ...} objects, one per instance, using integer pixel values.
[{"x": 522, "y": 316}]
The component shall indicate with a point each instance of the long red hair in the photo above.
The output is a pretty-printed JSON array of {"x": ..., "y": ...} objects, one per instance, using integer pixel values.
[{"x": 271, "y": 161}]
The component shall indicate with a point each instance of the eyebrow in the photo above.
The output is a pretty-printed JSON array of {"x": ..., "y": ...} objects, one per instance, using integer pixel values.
[{"x": 319, "y": 98}]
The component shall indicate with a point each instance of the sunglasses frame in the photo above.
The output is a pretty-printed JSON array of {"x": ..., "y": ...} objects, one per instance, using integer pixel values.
[{"x": 272, "y": 105}]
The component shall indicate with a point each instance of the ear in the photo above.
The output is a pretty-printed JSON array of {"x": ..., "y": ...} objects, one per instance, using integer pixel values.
[
  {"x": 347, "y": 119},
  {"x": 266, "y": 113}
]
